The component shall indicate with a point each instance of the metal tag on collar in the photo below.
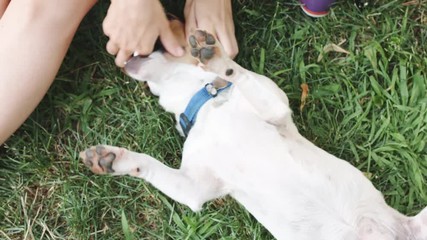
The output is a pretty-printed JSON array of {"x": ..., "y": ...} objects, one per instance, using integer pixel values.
[{"x": 211, "y": 89}]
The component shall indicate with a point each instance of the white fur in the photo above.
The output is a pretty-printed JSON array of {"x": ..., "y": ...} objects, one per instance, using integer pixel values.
[{"x": 245, "y": 144}]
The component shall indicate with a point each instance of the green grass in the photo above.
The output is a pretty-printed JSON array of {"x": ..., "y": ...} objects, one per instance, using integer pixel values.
[{"x": 369, "y": 107}]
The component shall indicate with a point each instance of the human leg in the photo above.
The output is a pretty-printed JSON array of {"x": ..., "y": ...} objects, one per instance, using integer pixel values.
[
  {"x": 34, "y": 38},
  {"x": 3, "y": 6}
]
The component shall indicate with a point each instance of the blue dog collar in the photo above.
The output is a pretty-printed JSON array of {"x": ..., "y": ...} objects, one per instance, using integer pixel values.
[{"x": 188, "y": 117}]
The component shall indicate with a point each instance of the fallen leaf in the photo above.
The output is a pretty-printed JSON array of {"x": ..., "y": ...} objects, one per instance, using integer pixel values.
[
  {"x": 368, "y": 175},
  {"x": 331, "y": 47},
  {"x": 304, "y": 95},
  {"x": 411, "y": 3}
]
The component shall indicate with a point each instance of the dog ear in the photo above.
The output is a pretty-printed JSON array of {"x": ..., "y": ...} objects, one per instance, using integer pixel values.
[
  {"x": 417, "y": 225},
  {"x": 134, "y": 68}
]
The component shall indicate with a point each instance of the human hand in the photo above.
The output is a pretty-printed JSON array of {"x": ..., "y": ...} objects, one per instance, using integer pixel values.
[
  {"x": 213, "y": 16},
  {"x": 134, "y": 26}
]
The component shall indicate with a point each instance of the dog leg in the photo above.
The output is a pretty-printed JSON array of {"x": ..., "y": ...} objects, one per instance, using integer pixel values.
[
  {"x": 267, "y": 99},
  {"x": 418, "y": 225},
  {"x": 181, "y": 185}
]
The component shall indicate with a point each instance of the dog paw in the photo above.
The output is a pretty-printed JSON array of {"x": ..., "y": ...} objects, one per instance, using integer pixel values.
[
  {"x": 203, "y": 46},
  {"x": 209, "y": 52},
  {"x": 100, "y": 158}
]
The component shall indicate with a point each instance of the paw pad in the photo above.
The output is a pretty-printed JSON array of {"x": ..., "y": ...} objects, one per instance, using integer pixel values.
[
  {"x": 98, "y": 159},
  {"x": 229, "y": 72},
  {"x": 202, "y": 45}
]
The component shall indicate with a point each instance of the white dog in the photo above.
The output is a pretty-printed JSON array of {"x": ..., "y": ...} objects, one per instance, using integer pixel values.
[{"x": 241, "y": 141}]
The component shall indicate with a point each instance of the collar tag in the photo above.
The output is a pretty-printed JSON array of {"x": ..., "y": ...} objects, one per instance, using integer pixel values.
[
  {"x": 188, "y": 117},
  {"x": 211, "y": 89}
]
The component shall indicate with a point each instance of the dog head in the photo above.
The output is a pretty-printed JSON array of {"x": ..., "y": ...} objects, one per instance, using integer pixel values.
[{"x": 143, "y": 68}]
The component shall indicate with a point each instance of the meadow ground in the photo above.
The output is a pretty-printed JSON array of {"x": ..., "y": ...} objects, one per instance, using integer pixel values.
[{"x": 368, "y": 106}]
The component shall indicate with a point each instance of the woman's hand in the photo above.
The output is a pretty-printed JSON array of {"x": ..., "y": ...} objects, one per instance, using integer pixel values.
[
  {"x": 134, "y": 26},
  {"x": 213, "y": 16}
]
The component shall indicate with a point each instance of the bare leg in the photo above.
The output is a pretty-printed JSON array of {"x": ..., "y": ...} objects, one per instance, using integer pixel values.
[
  {"x": 34, "y": 37},
  {"x": 3, "y": 6},
  {"x": 192, "y": 188}
]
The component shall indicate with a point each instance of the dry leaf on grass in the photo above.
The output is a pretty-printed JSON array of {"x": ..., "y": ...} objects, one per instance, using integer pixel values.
[
  {"x": 368, "y": 175},
  {"x": 411, "y": 3},
  {"x": 332, "y": 47},
  {"x": 304, "y": 95}
]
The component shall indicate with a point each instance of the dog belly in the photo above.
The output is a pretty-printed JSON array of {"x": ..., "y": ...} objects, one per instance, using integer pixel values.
[
  {"x": 295, "y": 189},
  {"x": 299, "y": 205},
  {"x": 289, "y": 186}
]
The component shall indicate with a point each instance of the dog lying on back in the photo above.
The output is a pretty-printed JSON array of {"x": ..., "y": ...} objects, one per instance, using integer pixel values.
[{"x": 241, "y": 141}]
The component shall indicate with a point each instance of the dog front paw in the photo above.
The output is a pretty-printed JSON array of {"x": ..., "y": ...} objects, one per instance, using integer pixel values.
[
  {"x": 203, "y": 46},
  {"x": 209, "y": 52},
  {"x": 100, "y": 158}
]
